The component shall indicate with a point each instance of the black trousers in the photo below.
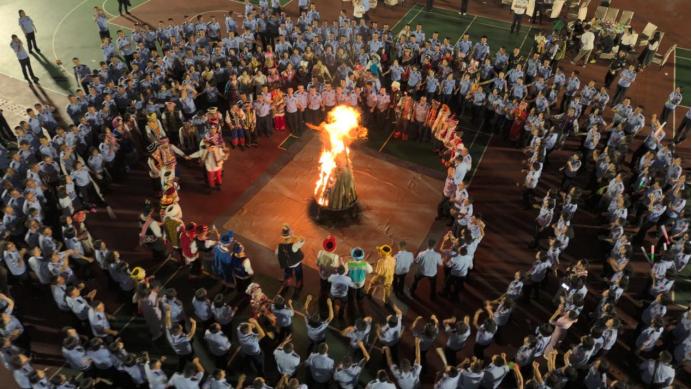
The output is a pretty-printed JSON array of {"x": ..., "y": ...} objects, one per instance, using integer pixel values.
[
  {"x": 123, "y": 4},
  {"x": 26, "y": 68},
  {"x": 609, "y": 78},
  {"x": 619, "y": 95},
  {"x": 464, "y": 6},
  {"x": 293, "y": 121},
  {"x": 683, "y": 128},
  {"x": 31, "y": 42},
  {"x": 433, "y": 284},
  {"x": 516, "y": 22},
  {"x": 398, "y": 284}
]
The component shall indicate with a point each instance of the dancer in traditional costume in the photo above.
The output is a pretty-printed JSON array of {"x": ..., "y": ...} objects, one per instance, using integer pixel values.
[
  {"x": 212, "y": 153},
  {"x": 235, "y": 120},
  {"x": 279, "y": 110}
]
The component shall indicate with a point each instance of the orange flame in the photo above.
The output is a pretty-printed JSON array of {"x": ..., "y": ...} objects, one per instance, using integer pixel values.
[{"x": 342, "y": 127}]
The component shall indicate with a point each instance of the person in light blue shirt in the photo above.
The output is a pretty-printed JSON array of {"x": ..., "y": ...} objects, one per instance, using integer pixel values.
[
  {"x": 465, "y": 44},
  {"x": 414, "y": 79},
  {"x": 29, "y": 30},
  {"x": 102, "y": 23},
  {"x": 674, "y": 99},
  {"x": 24, "y": 61},
  {"x": 627, "y": 77},
  {"x": 431, "y": 85},
  {"x": 481, "y": 49}
]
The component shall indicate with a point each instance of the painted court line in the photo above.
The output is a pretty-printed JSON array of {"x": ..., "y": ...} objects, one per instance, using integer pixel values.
[
  {"x": 480, "y": 159},
  {"x": 403, "y": 17},
  {"x": 57, "y": 27}
]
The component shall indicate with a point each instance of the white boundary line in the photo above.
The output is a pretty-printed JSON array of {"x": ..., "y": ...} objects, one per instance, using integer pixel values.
[
  {"x": 62, "y": 20},
  {"x": 402, "y": 17},
  {"x": 42, "y": 87},
  {"x": 480, "y": 159}
]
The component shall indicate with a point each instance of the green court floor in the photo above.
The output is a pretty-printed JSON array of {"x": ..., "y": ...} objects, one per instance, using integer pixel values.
[
  {"x": 682, "y": 73},
  {"x": 65, "y": 29},
  {"x": 449, "y": 24}
]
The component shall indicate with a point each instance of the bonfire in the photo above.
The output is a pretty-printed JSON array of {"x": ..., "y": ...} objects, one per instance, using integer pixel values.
[{"x": 335, "y": 188}]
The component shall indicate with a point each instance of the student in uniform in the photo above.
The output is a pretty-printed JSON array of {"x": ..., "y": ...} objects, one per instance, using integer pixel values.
[
  {"x": 287, "y": 360},
  {"x": 283, "y": 311},
  {"x": 189, "y": 377},
  {"x": 321, "y": 367},
  {"x": 24, "y": 61},
  {"x": 390, "y": 333},
  {"x": 249, "y": 335},
  {"x": 457, "y": 332},
  {"x": 404, "y": 260},
  {"x": 180, "y": 341},
  {"x": 428, "y": 261},
  {"x": 29, "y": 29}
]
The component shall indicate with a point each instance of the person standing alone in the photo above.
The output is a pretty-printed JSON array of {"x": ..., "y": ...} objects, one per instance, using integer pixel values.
[
  {"x": 519, "y": 8},
  {"x": 24, "y": 61},
  {"x": 29, "y": 30},
  {"x": 587, "y": 40},
  {"x": 290, "y": 258}
]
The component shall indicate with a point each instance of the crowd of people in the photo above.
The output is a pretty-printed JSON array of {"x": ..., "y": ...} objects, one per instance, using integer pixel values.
[{"x": 204, "y": 88}]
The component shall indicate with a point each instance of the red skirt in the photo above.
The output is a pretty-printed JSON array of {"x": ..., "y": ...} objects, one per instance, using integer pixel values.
[
  {"x": 280, "y": 122},
  {"x": 515, "y": 131}
]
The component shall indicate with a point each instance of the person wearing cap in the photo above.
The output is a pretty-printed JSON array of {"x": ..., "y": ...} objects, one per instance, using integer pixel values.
[
  {"x": 241, "y": 267},
  {"x": 428, "y": 261},
  {"x": 290, "y": 257},
  {"x": 327, "y": 262},
  {"x": 235, "y": 117},
  {"x": 384, "y": 274},
  {"x": 358, "y": 270},
  {"x": 212, "y": 154},
  {"x": 265, "y": 125}
]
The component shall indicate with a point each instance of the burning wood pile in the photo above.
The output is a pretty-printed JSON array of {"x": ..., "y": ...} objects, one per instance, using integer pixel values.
[{"x": 335, "y": 188}]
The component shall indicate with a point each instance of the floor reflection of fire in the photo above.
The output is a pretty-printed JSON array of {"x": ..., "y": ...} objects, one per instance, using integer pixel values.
[{"x": 335, "y": 189}]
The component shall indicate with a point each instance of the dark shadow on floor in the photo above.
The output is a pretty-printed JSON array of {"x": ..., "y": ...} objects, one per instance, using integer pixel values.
[{"x": 54, "y": 71}]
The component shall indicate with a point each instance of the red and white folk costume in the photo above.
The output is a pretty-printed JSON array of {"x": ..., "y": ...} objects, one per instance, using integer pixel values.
[
  {"x": 212, "y": 153},
  {"x": 214, "y": 117},
  {"x": 164, "y": 157},
  {"x": 188, "y": 243},
  {"x": 404, "y": 113}
]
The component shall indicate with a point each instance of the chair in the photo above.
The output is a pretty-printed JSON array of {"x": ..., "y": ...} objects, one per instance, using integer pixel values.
[
  {"x": 556, "y": 9},
  {"x": 647, "y": 33},
  {"x": 583, "y": 10},
  {"x": 600, "y": 12},
  {"x": 661, "y": 60},
  {"x": 612, "y": 15},
  {"x": 626, "y": 18}
]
